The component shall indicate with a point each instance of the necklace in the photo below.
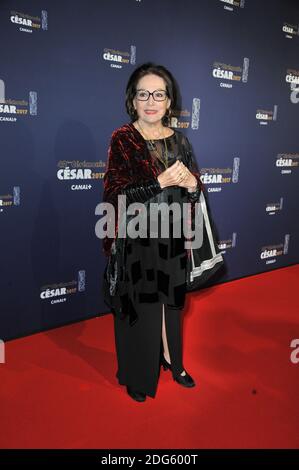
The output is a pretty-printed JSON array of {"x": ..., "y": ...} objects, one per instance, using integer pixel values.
[{"x": 154, "y": 148}]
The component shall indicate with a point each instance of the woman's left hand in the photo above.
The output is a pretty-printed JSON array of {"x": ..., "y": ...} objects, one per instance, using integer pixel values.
[{"x": 186, "y": 179}]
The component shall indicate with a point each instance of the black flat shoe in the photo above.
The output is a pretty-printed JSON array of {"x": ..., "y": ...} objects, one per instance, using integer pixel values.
[
  {"x": 138, "y": 396},
  {"x": 185, "y": 380}
]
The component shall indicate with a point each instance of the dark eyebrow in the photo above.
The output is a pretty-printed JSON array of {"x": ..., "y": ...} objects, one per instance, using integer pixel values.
[{"x": 143, "y": 89}]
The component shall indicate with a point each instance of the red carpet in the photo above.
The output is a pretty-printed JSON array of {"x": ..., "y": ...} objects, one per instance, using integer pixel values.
[{"x": 59, "y": 390}]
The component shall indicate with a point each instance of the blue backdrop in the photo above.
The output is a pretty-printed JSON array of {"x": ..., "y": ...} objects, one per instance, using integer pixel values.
[{"x": 64, "y": 69}]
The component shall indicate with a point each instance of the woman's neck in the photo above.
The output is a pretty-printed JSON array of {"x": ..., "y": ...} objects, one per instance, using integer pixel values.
[{"x": 151, "y": 130}]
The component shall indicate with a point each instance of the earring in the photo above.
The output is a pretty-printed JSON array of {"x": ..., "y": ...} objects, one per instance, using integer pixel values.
[{"x": 167, "y": 115}]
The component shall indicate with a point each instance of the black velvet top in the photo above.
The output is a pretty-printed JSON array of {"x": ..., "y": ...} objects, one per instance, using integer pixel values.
[{"x": 155, "y": 267}]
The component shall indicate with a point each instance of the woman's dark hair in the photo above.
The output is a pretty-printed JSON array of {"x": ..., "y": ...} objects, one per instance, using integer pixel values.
[{"x": 147, "y": 69}]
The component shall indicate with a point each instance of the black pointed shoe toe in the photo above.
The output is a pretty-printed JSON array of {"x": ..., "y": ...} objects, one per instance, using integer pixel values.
[{"x": 185, "y": 380}]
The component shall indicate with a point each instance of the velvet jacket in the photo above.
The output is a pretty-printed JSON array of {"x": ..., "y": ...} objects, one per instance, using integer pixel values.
[{"x": 132, "y": 171}]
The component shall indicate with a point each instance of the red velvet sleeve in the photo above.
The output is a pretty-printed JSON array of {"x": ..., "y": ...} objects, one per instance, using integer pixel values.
[{"x": 118, "y": 180}]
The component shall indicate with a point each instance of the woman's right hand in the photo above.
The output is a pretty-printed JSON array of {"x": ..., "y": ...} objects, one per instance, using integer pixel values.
[{"x": 172, "y": 175}]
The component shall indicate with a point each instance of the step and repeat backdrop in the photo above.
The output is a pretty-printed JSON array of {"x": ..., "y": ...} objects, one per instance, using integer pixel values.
[{"x": 63, "y": 72}]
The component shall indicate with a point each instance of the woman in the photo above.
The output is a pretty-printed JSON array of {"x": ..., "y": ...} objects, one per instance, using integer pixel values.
[{"x": 149, "y": 162}]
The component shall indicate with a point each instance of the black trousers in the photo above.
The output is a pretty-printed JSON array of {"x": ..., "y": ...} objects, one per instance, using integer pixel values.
[{"x": 138, "y": 347}]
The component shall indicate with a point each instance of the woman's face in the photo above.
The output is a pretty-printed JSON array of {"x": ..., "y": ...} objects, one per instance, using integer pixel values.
[{"x": 151, "y": 111}]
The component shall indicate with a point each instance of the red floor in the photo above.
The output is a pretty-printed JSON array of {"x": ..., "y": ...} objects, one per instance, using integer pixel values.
[{"x": 59, "y": 390}]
